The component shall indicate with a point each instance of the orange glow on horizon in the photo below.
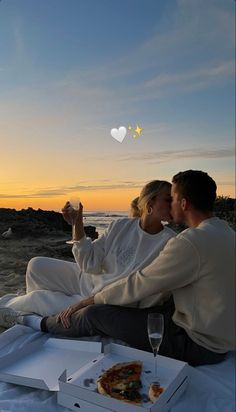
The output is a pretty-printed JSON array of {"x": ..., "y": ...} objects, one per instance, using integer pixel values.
[
  {"x": 226, "y": 190},
  {"x": 99, "y": 200},
  {"x": 94, "y": 200}
]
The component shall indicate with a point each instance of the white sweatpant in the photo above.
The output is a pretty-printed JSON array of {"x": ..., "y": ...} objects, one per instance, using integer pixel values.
[{"x": 51, "y": 286}]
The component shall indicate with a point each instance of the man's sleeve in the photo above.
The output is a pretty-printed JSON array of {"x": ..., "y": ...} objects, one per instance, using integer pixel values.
[{"x": 175, "y": 267}]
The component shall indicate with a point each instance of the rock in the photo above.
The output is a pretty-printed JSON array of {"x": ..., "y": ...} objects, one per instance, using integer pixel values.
[
  {"x": 8, "y": 234},
  {"x": 91, "y": 232},
  {"x": 37, "y": 223}
]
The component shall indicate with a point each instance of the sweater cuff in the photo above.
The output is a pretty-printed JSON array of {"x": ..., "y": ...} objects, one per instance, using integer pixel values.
[
  {"x": 98, "y": 300},
  {"x": 79, "y": 243}
]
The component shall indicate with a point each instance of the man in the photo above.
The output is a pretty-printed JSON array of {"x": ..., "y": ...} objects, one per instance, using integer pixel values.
[{"x": 196, "y": 268}]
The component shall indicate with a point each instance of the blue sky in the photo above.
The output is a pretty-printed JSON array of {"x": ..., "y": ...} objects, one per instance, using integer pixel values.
[{"x": 71, "y": 70}]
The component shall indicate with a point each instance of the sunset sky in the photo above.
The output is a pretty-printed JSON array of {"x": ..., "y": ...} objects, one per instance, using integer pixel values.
[{"x": 71, "y": 70}]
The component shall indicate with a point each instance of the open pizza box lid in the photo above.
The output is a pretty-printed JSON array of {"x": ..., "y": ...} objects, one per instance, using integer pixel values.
[
  {"x": 79, "y": 389},
  {"x": 39, "y": 365}
]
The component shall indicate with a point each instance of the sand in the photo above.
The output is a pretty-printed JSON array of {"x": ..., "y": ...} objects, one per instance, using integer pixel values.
[{"x": 15, "y": 254}]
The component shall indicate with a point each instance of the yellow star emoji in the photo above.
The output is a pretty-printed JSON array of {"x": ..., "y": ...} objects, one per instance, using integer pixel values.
[{"x": 138, "y": 130}]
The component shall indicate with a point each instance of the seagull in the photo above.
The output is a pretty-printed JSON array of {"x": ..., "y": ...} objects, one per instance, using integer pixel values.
[{"x": 7, "y": 234}]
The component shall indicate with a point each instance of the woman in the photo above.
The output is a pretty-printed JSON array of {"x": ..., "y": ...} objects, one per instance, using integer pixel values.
[
  {"x": 127, "y": 246},
  {"x": 134, "y": 210}
]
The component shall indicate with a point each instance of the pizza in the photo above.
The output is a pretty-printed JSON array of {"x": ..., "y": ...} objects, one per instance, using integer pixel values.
[
  {"x": 155, "y": 390},
  {"x": 122, "y": 381}
]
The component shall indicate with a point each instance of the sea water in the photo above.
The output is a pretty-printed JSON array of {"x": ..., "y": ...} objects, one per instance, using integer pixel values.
[{"x": 102, "y": 220}]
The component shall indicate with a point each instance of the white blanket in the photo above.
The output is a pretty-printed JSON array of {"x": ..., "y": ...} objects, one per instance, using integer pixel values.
[{"x": 211, "y": 388}]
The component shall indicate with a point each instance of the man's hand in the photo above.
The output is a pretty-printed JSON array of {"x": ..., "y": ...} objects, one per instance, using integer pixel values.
[{"x": 64, "y": 316}]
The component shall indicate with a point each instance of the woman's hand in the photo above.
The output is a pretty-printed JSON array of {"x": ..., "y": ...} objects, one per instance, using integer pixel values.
[
  {"x": 64, "y": 316},
  {"x": 70, "y": 214}
]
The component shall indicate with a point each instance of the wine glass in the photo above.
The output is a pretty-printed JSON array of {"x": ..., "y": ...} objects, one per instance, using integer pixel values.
[
  {"x": 155, "y": 328},
  {"x": 74, "y": 206}
]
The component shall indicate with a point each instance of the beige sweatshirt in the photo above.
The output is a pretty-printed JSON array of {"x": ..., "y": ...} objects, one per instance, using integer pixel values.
[{"x": 198, "y": 267}]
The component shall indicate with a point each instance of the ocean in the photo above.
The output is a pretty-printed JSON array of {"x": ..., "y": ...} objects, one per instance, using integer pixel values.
[{"x": 101, "y": 220}]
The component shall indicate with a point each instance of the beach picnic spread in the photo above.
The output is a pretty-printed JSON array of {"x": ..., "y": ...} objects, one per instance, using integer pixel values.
[{"x": 210, "y": 388}]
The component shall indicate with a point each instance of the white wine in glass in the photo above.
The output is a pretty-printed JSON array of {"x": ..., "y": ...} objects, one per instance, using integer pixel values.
[
  {"x": 155, "y": 329},
  {"x": 74, "y": 204}
]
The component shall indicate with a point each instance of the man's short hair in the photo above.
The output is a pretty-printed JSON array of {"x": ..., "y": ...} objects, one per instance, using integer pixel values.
[{"x": 197, "y": 187}]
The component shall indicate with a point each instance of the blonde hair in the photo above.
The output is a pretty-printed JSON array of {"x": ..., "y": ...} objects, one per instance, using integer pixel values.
[
  {"x": 149, "y": 192},
  {"x": 134, "y": 210}
]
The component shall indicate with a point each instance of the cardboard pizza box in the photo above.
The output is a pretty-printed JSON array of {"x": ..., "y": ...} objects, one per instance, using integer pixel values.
[
  {"x": 79, "y": 389},
  {"x": 40, "y": 365}
]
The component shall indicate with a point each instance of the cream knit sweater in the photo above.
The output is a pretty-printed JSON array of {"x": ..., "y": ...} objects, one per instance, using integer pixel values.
[{"x": 197, "y": 267}]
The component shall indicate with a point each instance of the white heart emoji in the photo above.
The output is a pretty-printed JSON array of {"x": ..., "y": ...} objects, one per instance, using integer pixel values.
[{"x": 119, "y": 134}]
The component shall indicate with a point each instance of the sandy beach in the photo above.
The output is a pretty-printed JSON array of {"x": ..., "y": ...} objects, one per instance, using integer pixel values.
[{"x": 15, "y": 254}]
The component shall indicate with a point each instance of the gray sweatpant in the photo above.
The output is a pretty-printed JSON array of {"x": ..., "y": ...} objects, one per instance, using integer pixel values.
[{"x": 130, "y": 326}]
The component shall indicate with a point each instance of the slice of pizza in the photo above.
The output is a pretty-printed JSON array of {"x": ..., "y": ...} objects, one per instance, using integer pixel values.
[
  {"x": 155, "y": 390},
  {"x": 122, "y": 381}
]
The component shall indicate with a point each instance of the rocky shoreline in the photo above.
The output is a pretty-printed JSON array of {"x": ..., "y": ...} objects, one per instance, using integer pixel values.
[
  {"x": 33, "y": 233},
  {"x": 36, "y": 223}
]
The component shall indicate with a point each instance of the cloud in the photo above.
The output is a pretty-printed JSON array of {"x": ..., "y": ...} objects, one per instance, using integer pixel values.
[
  {"x": 188, "y": 34},
  {"x": 122, "y": 185},
  {"x": 182, "y": 33},
  {"x": 17, "y": 25},
  {"x": 226, "y": 183},
  {"x": 195, "y": 79},
  {"x": 197, "y": 39},
  {"x": 169, "y": 155},
  {"x": 79, "y": 105},
  {"x": 223, "y": 69},
  {"x": 61, "y": 191},
  {"x": 101, "y": 101}
]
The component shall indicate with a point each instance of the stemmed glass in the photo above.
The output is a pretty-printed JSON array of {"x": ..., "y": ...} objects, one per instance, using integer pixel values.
[
  {"x": 74, "y": 206},
  {"x": 155, "y": 329}
]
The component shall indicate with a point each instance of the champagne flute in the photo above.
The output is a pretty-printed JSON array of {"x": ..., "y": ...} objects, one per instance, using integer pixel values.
[
  {"x": 74, "y": 206},
  {"x": 155, "y": 333}
]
